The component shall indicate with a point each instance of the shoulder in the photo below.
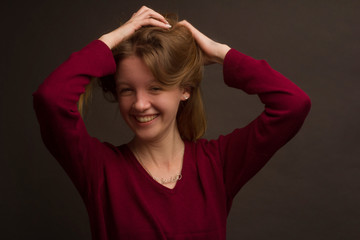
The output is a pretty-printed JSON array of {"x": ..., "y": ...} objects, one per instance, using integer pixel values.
[{"x": 215, "y": 147}]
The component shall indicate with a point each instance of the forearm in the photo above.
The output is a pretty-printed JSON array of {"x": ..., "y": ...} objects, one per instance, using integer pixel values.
[
  {"x": 286, "y": 105},
  {"x": 68, "y": 81},
  {"x": 220, "y": 52}
]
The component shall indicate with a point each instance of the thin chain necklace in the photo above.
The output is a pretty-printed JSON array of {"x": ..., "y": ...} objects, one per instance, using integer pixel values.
[{"x": 163, "y": 181}]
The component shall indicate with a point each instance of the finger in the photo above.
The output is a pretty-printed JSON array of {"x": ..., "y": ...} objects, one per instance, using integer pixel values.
[
  {"x": 141, "y": 10},
  {"x": 192, "y": 29},
  {"x": 199, "y": 36},
  {"x": 149, "y": 13},
  {"x": 145, "y": 11},
  {"x": 156, "y": 23}
]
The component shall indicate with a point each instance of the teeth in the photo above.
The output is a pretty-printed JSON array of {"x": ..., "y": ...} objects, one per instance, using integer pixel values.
[{"x": 146, "y": 118}]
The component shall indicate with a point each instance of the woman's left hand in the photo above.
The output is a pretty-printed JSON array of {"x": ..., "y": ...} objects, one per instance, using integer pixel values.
[{"x": 214, "y": 52}]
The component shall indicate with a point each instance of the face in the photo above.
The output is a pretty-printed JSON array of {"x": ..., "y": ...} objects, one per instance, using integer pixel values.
[{"x": 148, "y": 107}]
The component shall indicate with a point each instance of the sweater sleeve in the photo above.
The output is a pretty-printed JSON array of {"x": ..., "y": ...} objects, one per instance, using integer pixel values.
[
  {"x": 55, "y": 102},
  {"x": 245, "y": 151}
]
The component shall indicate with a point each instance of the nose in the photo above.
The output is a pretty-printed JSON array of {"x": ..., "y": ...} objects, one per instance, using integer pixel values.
[{"x": 142, "y": 102}]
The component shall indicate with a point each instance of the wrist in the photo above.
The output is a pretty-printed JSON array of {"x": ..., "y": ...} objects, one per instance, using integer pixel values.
[
  {"x": 107, "y": 40},
  {"x": 221, "y": 53},
  {"x": 112, "y": 39}
]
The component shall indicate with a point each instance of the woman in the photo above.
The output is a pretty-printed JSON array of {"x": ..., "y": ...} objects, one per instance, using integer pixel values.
[{"x": 166, "y": 183}]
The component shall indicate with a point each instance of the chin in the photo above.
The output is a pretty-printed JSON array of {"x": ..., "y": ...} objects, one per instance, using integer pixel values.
[{"x": 147, "y": 136}]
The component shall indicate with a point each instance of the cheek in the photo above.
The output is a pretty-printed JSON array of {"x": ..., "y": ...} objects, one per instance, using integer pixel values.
[
  {"x": 124, "y": 105},
  {"x": 170, "y": 104}
]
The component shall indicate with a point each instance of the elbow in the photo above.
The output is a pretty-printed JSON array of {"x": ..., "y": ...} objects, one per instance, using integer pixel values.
[
  {"x": 44, "y": 96},
  {"x": 307, "y": 104},
  {"x": 301, "y": 106}
]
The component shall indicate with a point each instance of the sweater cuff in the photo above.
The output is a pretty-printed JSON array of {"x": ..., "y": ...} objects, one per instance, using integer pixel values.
[{"x": 233, "y": 67}]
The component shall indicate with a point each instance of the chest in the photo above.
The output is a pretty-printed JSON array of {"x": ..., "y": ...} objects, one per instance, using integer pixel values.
[{"x": 138, "y": 205}]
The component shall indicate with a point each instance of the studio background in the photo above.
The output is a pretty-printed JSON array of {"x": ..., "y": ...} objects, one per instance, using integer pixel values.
[{"x": 310, "y": 188}]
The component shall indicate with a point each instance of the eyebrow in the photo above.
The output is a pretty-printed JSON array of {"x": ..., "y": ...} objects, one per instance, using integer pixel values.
[{"x": 127, "y": 83}]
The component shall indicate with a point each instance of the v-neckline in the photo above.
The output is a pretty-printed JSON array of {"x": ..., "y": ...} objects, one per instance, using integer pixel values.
[{"x": 155, "y": 183}]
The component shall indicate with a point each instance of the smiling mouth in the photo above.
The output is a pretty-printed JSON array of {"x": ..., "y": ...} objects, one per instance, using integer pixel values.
[{"x": 144, "y": 119}]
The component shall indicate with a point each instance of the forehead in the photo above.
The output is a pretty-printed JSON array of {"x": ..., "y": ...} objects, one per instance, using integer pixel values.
[{"x": 133, "y": 70}]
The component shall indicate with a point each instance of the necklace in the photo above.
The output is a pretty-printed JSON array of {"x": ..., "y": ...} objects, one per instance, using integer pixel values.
[{"x": 163, "y": 181}]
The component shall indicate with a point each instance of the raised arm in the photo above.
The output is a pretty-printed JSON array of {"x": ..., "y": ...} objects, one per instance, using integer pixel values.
[
  {"x": 55, "y": 102},
  {"x": 286, "y": 107},
  {"x": 246, "y": 150}
]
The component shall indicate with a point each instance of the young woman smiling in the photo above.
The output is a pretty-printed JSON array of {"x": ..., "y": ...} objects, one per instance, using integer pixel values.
[{"x": 167, "y": 182}]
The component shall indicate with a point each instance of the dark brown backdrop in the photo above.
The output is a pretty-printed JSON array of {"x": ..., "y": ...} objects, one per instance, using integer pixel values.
[{"x": 309, "y": 190}]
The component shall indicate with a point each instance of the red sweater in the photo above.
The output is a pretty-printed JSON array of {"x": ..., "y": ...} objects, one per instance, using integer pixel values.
[{"x": 122, "y": 200}]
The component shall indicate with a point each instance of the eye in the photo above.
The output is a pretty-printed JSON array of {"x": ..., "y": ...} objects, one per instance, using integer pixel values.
[
  {"x": 155, "y": 89},
  {"x": 125, "y": 91}
]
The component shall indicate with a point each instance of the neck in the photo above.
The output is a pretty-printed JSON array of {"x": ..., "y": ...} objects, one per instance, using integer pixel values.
[{"x": 163, "y": 153}]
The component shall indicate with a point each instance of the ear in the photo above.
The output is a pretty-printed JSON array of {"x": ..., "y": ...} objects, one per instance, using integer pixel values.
[{"x": 185, "y": 94}]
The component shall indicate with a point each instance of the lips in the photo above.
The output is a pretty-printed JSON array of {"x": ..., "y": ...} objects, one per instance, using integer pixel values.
[{"x": 145, "y": 119}]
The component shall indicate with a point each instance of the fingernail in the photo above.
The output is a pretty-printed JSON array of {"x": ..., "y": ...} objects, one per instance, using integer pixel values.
[{"x": 168, "y": 25}]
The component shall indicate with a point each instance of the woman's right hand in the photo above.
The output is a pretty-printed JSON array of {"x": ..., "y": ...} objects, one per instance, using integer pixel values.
[{"x": 143, "y": 17}]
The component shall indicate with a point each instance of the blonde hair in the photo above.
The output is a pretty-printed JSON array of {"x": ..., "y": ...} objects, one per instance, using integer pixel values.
[
  {"x": 174, "y": 59},
  {"x": 86, "y": 97}
]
